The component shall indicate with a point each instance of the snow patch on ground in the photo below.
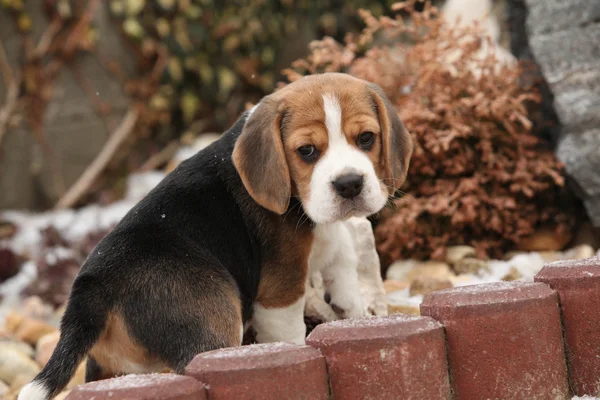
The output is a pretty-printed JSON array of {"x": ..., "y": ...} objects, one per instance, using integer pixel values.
[
  {"x": 250, "y": 350},
  {"x": 11, "y": 289},
  {"x": 75, "y": 224},
  {"x": 403, "y": 298},
  {"x": 134, "y": 381},
  {"x": 527, "y": 265}
]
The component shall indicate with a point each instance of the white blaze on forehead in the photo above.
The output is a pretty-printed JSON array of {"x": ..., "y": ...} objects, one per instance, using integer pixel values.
[
  {"x": 324, "y": 205},
  {"x": 333, "y": 118}
]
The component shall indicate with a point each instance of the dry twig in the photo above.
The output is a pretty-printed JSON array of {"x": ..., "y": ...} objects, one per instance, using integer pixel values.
[
  {"x": 161, "y": 157},
  {"x": 101, "y": 108},
  {"x": 82, "y": 185},
  {"x": 5, "y": 65},
  {"x": 12, "y": 97},
  {"x": 46, "y": 40},
  {"x": 73, "y": 41}
]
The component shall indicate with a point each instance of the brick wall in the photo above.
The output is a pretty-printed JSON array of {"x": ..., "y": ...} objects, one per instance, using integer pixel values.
[{"x": 503, "y": 340}]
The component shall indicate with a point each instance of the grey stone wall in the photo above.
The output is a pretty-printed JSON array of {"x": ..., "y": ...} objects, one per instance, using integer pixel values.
[{"x": 563, "y": 37}]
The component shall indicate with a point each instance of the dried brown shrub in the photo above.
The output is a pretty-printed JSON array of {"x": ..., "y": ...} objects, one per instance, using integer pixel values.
[{"x": 478, "y": 175}]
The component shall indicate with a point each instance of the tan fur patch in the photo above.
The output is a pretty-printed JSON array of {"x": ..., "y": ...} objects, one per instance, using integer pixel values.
[
  {"x": 284, "y": 272},
  {"x": 226, "y": 323},
  {"x": 117, "y": 352}
]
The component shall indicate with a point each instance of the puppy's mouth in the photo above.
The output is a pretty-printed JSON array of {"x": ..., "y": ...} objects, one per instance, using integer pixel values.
[
  {"x": 348, "y": 207},
  {"x": 356, "y": 207},
  {"x": 343, "y": 209}
]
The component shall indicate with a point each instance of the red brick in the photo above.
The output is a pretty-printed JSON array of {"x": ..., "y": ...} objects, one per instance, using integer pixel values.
[
  {"x": 141, "y": 387},
  {"x": 272, "y": 371},
  {"x": 578, "y": 287},
  {"x": 504, "y": 340},
  {"x": 393, "y": 357}
]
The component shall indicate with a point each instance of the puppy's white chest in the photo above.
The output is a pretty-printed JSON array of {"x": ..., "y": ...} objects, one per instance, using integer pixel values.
[{"x": 330, "y": 242}]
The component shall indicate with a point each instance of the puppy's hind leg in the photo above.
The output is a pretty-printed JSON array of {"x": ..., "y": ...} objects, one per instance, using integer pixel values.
[{"x": 202, "y": 315}]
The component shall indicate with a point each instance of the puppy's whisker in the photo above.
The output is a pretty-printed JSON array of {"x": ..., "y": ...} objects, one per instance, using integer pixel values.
[
  {"x": 293, "y": 207},
  {"x": 300, "y": 221},
  {"x": 401, "y": 192},
  {"x": 408, "y": 197},
  {"x": 387, "y": 186},
  {"x": 297, "y": 205}
]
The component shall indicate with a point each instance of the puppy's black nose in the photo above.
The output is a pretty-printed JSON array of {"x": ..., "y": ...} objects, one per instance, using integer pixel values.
[{"x": 348, "y": 186}]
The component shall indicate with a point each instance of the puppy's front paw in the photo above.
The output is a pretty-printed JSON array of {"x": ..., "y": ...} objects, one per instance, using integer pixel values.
[{"x": 346, "y": 305}]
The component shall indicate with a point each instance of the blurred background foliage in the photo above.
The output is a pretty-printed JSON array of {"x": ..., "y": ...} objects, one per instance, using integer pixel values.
[{"x": 225, "y": 54}]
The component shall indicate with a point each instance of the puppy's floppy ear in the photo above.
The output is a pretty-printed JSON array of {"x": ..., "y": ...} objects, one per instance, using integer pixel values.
[
  {"x": 397, "y": 144},
  {"x": 259, "y": 157}
]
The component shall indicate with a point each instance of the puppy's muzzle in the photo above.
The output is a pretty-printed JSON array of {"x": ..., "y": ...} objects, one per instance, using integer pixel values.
[{"x": 349, "y": 186}]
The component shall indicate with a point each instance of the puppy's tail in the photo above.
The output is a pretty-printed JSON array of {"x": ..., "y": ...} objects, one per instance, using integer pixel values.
[{"x": 83, "y": 322}]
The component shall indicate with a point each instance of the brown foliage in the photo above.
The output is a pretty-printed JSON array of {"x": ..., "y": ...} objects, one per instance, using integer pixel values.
[{"x": 478, "y": 175}]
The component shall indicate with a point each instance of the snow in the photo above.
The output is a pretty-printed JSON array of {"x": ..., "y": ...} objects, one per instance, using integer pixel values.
[
  {"x": 250, "y": 350},
  {"x": 11, "y": 289},
  {"x": 527, "y": 265},
  {"x": 488, "y": 286},
  {"x": 134, "y": 381},
  {"x": 400, "y": 269},
  {"x": 403, "y": 298},
  {"x": 56, "y": 254},
  {"x": 187, "y": 151},
  {"x": 75, "y": 224},
  {"x": 566, "y": 263},
  {"x": 140, "y": 184},
  {"x": 375, "y": 322},
  {"x": 370, "y": 321}
]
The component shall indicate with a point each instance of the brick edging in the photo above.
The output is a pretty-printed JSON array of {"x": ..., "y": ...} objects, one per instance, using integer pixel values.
[
  {"x": 502, "y": 339},
  {"x": 578, "y": 286}
]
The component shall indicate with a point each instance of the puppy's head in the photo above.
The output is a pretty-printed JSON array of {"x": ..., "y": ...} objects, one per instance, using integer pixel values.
[{"x": 331, "y": 140}]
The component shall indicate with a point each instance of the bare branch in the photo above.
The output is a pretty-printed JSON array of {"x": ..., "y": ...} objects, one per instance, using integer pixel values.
[
  {"x": 161, "y": 157},
  {"x": 12, "y": 97},
  {"x": 46, "y": 40},
  {"x": 5, "y": 65},
  {"x": 85, "y": 181}
]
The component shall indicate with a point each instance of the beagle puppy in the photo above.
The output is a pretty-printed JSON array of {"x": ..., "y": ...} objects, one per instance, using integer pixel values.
[{"x": 225, "y": 238}]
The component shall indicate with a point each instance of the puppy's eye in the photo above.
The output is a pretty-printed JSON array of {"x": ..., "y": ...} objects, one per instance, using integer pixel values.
[
  {"x": 308, "y": 152},
  {"x": 365, "y": 140}
]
